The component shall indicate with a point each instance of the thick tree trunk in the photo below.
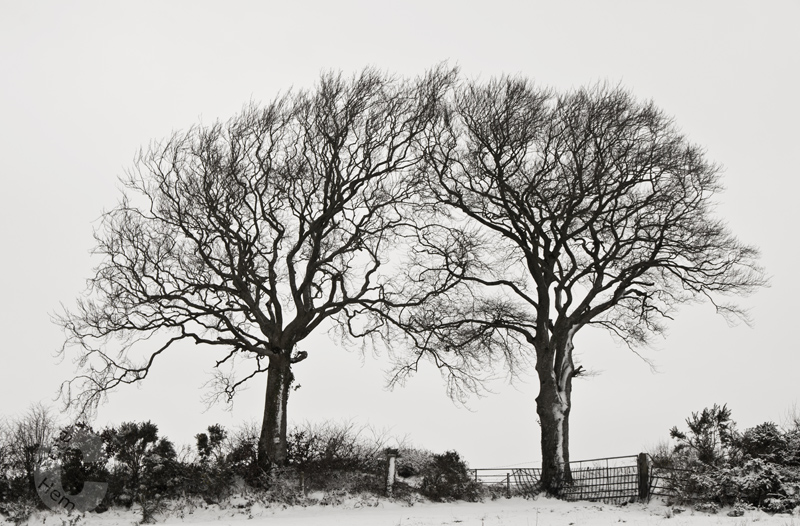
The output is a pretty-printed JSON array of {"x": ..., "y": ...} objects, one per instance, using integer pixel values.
[
  {"x": 553, "y": 405},
  {"x": 272, "y": 444},
  {"x": 553, "y": 414}
]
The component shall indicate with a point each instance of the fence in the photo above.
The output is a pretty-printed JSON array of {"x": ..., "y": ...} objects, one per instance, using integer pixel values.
[
  {"x": 664, "y": 482},
  {"x": 610, "y": 479},
  {"x": 515, "y": 481}
]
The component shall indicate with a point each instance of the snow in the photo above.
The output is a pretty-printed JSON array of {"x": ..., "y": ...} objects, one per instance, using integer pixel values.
[{"x": 371, "y": 511}]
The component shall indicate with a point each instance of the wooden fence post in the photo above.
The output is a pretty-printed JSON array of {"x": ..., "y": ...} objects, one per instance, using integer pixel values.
[
  {"x": 391, "y": 455},
  {"x": 643, "y": 469}
]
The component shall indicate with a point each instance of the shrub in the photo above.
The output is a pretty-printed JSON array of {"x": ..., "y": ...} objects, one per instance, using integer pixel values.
[
  {"x": 709, "y": 438},
  {"x": 212, "y": 476},
  {"x": 758, "y": 467},
  {"x": 209, "y": 446},
  {"x": 144, "y": 465},
  {"x": 447, "y": 478},
  {"x": 662, "y": 456},
  {"x": 27, "y": 439},
  {"x": 334, "y": 446},
  {"x": 337, "y": 455},
  {"x": 18, "y": 512},
  {"x": 765, "y": 441},
  {"x": 751, "y": 482},
  {"x": 241, "y": 455},
  {"x": 411, "y": 462},
  {"x": 143, "y": 469},
  {"x": 5, "y": 467},
  {"x": 76, "y": 468}
]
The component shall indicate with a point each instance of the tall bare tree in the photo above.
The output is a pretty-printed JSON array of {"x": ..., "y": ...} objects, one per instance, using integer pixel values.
[
  {"x": 559, "y": 212},
  {"x": 250, "y": 235}
]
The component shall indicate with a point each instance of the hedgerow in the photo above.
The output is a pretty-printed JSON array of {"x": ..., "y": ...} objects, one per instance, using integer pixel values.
[{"x": 326, "y": 463}]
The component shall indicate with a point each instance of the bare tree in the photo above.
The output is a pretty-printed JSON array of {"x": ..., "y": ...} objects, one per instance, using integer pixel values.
[
  {"x": 250, "y": 235},
  {"x": 28, "y": 439},
  {"x": 560, "y": 212}
]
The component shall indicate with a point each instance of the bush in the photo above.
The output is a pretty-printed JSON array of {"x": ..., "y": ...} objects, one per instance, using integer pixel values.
[
  {"x": 758, "y": 467},
  {"x": 212, "y": 476},
  {"x": 751, "y": 483},
  {"x": 144, "y": 466},
  {"x": 75, "y": 467},
  {"x": 5, "y": 467},
  {"x": 709, "y": 438},
  {"x": 662, "y": 456},
  {"x": 448, "y": 478},
  {"x": 26, "y": 440},
  {"x": 241, "y": 455},
  {"x": 323, "y": 453},
  {"x": 412, "y": 462},
  {"x": 765, "y": 441},
  {"x": 335, "y": 447}
]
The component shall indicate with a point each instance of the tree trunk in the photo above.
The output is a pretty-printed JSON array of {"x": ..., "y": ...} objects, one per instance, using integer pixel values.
[
  {"x": 272, "y": 450},
  {"x": 555, "y": 370},
  {"x": 554, "y": 419}
]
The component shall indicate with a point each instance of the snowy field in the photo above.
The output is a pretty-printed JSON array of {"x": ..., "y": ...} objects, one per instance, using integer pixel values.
[{"x": 374, "y": 512}]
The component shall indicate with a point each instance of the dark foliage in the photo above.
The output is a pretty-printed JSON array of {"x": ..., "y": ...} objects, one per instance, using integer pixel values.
[
  {"x": 448, "y": 478},
  {"x": 322, "y": 453},
  {"x": 75, "y": 469},
  {"x": 143, "y": 465},
  {"x": 210, "y": 445},
  {"x": 142, "y": 468},
  {"x": 213, "y": 475},
  {"x": 769, "y": 443},
  {"x": 710, "y": 435}
]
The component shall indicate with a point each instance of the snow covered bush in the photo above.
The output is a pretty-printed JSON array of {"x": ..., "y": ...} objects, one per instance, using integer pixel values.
[
  {"x": 447, "y": 478},
  {"x": 331, "y": 446},
  {"x": 757, "y": 467},
  {"x": 327, "y": 462},
  {"x": 5, "y": 468},
  {"x": 411, "y": 462},
  {"x": 751, "y": 482},
  {"x": 332, "y": 455}
]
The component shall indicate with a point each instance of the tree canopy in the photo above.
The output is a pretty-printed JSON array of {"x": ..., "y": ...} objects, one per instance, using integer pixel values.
[{"x": 248, "y": 235}]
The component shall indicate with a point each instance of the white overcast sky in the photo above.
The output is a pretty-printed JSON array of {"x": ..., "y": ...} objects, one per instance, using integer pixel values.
[{"x": 84, "y": 84}]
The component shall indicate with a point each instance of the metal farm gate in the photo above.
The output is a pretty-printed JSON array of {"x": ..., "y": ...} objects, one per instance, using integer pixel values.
[{"x": 611, "y": 480}]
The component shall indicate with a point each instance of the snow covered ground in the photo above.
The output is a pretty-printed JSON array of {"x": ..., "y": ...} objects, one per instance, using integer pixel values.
[{"x": 381, "y": 512}]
